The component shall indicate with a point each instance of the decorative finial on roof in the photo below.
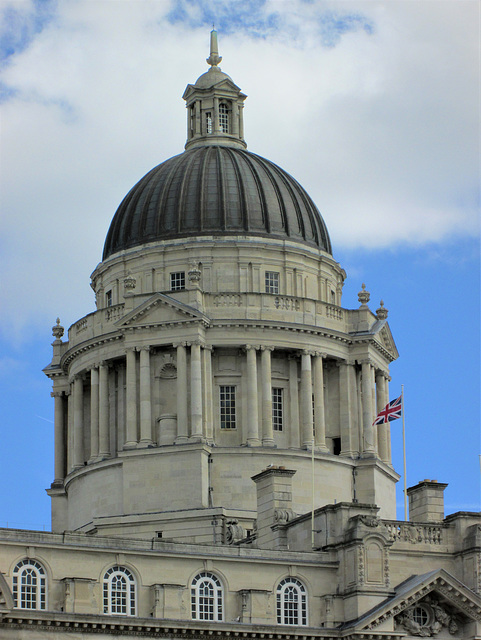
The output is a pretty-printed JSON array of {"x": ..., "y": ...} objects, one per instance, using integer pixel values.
[
  {"x": 214, "y": 59},
  {"x": 382, "y": 312},
  {"x": 58, "y": 330},
  {"x": 363, "y": 296}
]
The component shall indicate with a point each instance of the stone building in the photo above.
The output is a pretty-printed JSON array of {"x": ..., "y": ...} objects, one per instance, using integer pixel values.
[{"x": 217, "y": 471}]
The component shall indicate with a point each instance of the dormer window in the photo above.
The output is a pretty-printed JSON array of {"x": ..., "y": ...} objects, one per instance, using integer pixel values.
[
  {"x": 208, "y": 122},
  {"x": 223, "y": 118}
]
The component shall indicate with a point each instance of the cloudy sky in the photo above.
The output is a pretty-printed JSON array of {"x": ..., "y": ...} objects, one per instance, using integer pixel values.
[{"x": 372, "y": 106}]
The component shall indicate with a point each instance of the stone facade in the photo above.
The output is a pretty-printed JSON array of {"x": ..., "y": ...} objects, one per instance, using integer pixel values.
[{"x": 217, "y": 470}]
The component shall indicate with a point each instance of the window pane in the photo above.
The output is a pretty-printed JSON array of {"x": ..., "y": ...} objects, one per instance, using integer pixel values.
[
  {"x": 227, "y": 407},
  {"x": 272, "y": 282},
  {"x": 177, "y": 281},
  {"x": 277, "y": 409}
]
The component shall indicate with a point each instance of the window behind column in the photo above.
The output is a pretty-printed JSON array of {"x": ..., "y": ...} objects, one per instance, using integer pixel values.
[
  {"x": 29, "y": 585},
  {"x": 277, "y": 409},
  {"x": 227, "y": 407}
]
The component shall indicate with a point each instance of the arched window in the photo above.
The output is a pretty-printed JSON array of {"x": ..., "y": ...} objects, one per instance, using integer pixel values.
[
  {"x": 119, "y": 592},
  {"x": 206, "y": 597},
  {"x": 291, "y": 602},
  {"x": 29, "y": 585},
  {"x": 224, "y": 118}
]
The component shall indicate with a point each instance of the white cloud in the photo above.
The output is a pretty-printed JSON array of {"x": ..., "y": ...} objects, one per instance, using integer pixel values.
[{"x": 379, "y": 127}]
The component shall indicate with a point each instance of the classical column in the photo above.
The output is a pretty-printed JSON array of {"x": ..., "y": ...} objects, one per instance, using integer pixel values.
[
  {"x": 78, "y": 449},
  {"x": 319, "y": 408},
  {"x": 59, "y": 437},
  {"x": 252, "y": 405},
  {"x": 207, "y": 373},
  {"x": 216, "y": 115},
  {"x": 295, "y": 438},
  {"x": 267, "y": 431},
  {"x": 131, "y": 399},
  {"x": 306, "y": 400},
  {"x": 104, "y": 439},
  {"x": 346, "y": 409},
  {"x": 196, "y": 393},
  {"x": 94, "y": 414},
  {"x": 381, "y": 402},
  {"x": 182, "y": 424},
  {"x": 369, "y": 448},
  {"x": 145, "y": 399}
]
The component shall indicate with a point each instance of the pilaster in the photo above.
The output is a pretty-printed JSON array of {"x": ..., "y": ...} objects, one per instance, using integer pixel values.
[
  {"x": 253, "y": 439},
  {"x": 145, "y": 399},
  {"x": 267, "y": 430},
  {"x": 306, "y": 401}
]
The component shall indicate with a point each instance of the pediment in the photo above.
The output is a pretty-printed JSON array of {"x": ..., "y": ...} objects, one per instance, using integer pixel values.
[
  {"x": 223, "y": 85},
  {"x": 383, "y": 336},
  {"x": 425, "y": 605},
  {"x": 161, "y": 309}
]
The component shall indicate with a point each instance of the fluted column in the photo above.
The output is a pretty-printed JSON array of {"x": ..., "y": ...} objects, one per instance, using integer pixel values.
[
  {"x": 267, "y": 431},
  {"x": 306, "y": 401},
  {"x": 104, "y": 436},
  {"x": 208, "y": 411},
  {"x": 319, "y": 408},
  {"x": 59, "y": 437},
  {"x": 295, "y": 437},
  {"x": 131, "y": 399},
  {"x": 252, "y": 404},
  {"x": 78, "y": 448},
  {"x": 145, "y": 399},
  {"x": 369, "y": 449},
  {"x": 196, "y": 393},
  {"x": 381, "y": 402},
  {"x": 182, "y": 424},
  {"x": 94, "y": 413}
]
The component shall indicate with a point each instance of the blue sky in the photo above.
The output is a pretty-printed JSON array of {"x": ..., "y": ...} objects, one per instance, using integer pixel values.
[{"x": 372, "y": 106}]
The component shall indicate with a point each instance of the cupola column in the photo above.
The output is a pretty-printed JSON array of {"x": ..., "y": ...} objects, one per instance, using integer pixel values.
[
  {"x": 294, "y": 401},
  {"x": 196, "y": 392},
  {"x": 267, "y": 430},
  {"x": 59, "y": 422},
  {"x": 368, "y": 447},
  {"x": 94, "y": 413},
  {"x": 131, "y": 399},
  {"x": 381, "y": 402},
  {"x": 216, "y": 115},
  {"x": 347, "y": 408},
  {"x": 145, "y": 398},
  {"x": 252, "y": 405},
  {"x": 104, "y": 440},
  {"x": 182, "y": 426},
  {"x": 319, "y": 410},
  {"x": 78, "y": 449},
  {"x": 207, "y": 374},
  {"x": 306, "y": 401}
]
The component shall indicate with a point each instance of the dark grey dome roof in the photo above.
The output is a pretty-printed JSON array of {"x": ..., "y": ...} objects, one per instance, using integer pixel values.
[{"x": 215, "y": 190}]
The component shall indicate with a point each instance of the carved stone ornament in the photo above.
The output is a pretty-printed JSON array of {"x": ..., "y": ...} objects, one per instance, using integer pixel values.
[
  {"x": 58, "y": 330},
  {"x": 129, "y": 283},
  {"x": 234, "y": 531},
  {"x": 363, "y": 296},
  {"x": 168, "y": 371},
  {"x": 282, "y": 516},
  {"x": 194, "y": 272},
  {"x": 427, "y": 618},
  {"x": 370, "y": 521}
]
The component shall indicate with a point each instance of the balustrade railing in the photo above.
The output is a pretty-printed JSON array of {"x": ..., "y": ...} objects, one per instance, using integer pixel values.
[{"x": 415, "y": 533}]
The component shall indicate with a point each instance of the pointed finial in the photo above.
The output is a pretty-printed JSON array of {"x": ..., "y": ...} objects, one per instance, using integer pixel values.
[
  {"x": 363, "y": 296},
  {"x": 382, "y": 311},
  {"x": 214, "y": 59}
]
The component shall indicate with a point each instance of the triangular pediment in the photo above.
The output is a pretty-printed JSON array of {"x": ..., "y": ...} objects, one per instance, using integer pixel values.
[
  {"x": 424, "y": 605},
  {"x": 225, "y": 84},
  {"x": 383, "y": 336},
  {"x": 161, "y": 309}
]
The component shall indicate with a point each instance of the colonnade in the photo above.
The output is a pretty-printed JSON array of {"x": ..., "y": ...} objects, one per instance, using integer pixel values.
[{"x": 363, "y": 392}]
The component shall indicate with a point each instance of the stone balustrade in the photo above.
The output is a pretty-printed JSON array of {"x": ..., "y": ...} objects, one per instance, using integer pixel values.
[{"x": 415, "y": 533}]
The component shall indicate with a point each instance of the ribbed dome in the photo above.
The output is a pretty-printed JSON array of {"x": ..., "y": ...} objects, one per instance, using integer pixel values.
[{"x": 215, "y": 190}]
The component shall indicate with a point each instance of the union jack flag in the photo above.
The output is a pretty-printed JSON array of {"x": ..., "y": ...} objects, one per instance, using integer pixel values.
[{"x": 392, "y": 411}]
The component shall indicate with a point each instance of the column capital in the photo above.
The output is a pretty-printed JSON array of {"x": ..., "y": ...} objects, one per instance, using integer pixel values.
[
  {"x": 208, "y": 347},
  {"x": 293, "y": 356},
  {"x": 308, "y": 352},
  {"x": 366, "y": 361},
  {"x": 320, "y": 354},
  {"x": 176, "y": 345},
  {"x": 103, "y": 363},
  {"x": 266, "y": 348},
  {"x": 345, "y": 363},
  {"x": 252, "y": 347},
  {"x": 56, "y": 394},
  {"x": 383, "y": 374},
  {"x": 145, "y": 347},
  {"x": 130, "y": 349}
]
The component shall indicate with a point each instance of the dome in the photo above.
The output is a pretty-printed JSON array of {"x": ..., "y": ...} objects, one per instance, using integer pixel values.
[
  {"x": 210, "y": 78},
  {"x": 216, "y": 190}
]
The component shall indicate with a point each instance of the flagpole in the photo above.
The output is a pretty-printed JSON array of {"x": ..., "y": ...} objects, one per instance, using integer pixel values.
[
  {"x": 313, "y": 494},
  {"x": 404, "y": 456}
]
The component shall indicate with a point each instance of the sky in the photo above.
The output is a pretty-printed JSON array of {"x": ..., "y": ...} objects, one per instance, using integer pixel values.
[{"x": 372, "y": 106}]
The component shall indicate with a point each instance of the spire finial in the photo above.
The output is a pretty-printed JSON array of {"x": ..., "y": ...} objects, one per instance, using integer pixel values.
[{"x": 214, "y": 59}]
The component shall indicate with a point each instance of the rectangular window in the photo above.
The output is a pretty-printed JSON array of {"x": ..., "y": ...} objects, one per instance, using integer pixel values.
[
  {"x": 277, "y": 409},
  {"x": 108, "y": 298},
  {"x": 272, "y": 282},
  {"x": 177, "y": 281},
  {"x": 224, "y": 118},
  {"x": 227, "y": 407},
  {"x": 208, "y": 122}
]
